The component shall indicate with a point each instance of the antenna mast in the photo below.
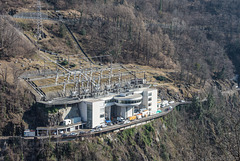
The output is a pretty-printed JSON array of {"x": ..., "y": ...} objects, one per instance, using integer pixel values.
[{"x": 39, "y": 20}]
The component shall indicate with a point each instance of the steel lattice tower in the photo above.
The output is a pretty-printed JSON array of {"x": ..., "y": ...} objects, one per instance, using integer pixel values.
[{"x": 39, "y": 20}]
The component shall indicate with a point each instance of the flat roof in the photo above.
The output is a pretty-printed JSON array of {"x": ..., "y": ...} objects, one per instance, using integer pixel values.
[
  {"x": 91, "y": 100},
  {"x": 61, "y": 101},
  {"x": 74, "y": 100},
  {"x": 134, "y": 96}
]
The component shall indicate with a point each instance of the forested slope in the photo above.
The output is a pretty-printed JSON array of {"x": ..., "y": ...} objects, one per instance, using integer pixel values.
[
  {"x": 197, "y": 38},
  {"x": 192, "y": 36},
  {"x": 200, "y": 131}
]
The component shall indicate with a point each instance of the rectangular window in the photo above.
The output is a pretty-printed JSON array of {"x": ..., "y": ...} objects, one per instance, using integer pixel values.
[
  {"x": 102, "y": 116},
  {"x": 150, "y": 99},
  {"x": 150, "y": 94},
  {"x": 89, "y": 115},
  {"x": 150, "y": 104}
]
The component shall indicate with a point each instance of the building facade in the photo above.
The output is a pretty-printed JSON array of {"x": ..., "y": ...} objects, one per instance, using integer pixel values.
[{"x": 95, "y": 111}]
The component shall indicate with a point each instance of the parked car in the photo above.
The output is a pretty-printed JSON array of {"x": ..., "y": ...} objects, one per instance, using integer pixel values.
[
  {"x": 167, "y": 109},
  {"x": 73, "y": 133},
  {"x": 109, "y": 124},
  {"x": 103, "y": 125},
  {"x": 64, "y": 135},
  {"x": 82, "y": 132},
  {"x": 171, "y": 102},
  {"x": 120, "y": 119},
  {"x": 126, "y": 122},
  {"x": 92, "y": 130},
  {"x": 98, "y": 129},
  {"x": 170, "y": 107},
  {"x": 182, "y": 101},
  {"x": 159, "y": 111}
]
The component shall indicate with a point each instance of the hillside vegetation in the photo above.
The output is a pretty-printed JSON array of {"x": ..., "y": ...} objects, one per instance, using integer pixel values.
[
  {"x": 197, "y": 37},
  {"x": 195, "y": 42},
  {"x": 200, "y": 131}
]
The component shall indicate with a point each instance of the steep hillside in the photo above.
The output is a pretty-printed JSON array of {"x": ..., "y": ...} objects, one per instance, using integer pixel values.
[
  {"x": 12, "y": 41},
  {"x": 193, "y": 34},
  {"x": 193, "y": 37},
  {"x": 193, "y": 43},
  {"x": 14, "y": 102},
  {"x": 208, "y": 131}
]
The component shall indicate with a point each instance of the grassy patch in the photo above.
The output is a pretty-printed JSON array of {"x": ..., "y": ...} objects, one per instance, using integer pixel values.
[
  {"x": 128, "y": 133},
  {"x": 52, "y": 109}
]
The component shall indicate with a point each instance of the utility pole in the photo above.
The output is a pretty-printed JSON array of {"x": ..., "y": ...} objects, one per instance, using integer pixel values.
[{"x": 39, "y": 20}]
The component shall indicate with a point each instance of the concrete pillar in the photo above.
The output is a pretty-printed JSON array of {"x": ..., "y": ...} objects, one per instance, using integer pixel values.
[
  {"x": 68, "y": 78},
  {"x": 110, "y": 112},
  {"x": 56, "y": 79}
]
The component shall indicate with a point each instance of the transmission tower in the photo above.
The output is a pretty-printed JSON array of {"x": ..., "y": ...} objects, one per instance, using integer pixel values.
[{"x": 39, "y": 20}]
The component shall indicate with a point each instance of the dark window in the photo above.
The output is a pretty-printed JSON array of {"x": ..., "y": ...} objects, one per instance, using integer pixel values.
[
  {"x": 102, "y": 116},
  {"x": 89, "y": 115}
]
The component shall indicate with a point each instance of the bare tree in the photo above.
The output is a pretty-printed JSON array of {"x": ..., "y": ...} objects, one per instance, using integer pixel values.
[{"x": 4, "y": 73}]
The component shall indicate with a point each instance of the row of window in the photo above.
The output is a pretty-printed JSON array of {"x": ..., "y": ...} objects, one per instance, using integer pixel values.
[
  {"x": 128, "y": 101},
  {"x": 122, "y": 101},
  {"x": 110, "y": 101}
]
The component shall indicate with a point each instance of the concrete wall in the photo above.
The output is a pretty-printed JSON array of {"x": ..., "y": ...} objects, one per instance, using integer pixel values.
[
  {"x": 129, "y": 111},
  {"x": 150, "y": 104},
  {"x": 96, "y": 120},
  {"x": 70, "y": 111},
  {"x": 154, "y": 100}
]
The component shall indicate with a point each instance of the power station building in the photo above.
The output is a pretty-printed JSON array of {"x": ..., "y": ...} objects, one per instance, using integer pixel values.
[{"x": 94, "y": 111}]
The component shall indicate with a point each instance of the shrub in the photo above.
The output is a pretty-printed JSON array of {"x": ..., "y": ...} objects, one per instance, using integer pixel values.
[
  {"x": 64, "y": 62},
  {"x": 83, "y": 32}
]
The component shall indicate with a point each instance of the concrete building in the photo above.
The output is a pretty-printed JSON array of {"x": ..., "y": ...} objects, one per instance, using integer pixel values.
[{"x": 94, "y": 111}]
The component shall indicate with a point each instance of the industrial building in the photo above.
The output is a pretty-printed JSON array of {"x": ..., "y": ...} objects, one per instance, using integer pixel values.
[
  {"x": 95, "y": 110},
  {"x": 91, "y": 96}
]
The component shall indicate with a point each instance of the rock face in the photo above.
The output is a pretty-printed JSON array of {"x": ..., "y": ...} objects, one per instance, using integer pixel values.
[
  {"x": 52, "y": 116},
  {"x": 54, "y": 119}
]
